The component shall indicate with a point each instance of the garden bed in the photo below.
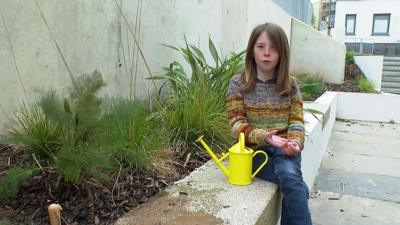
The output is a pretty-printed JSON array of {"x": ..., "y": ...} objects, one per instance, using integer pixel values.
[
  {"x": 100, "y": 157},
  {"x": 91, "y": 202},
  {"x": 351, "y": 75}
]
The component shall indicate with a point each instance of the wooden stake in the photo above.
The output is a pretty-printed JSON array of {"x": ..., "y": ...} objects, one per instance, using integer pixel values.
[{"x": 55, "y": 214}]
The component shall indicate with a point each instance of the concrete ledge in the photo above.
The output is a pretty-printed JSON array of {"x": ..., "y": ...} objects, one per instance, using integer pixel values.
[
  {"x": 206, "y": 191},
  {"x": 205, "y": 197},
  {"x": 318, "y": 130}
]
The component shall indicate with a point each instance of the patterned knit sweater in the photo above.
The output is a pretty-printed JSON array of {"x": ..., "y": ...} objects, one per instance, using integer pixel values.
[{"x": 264, "y": 109}]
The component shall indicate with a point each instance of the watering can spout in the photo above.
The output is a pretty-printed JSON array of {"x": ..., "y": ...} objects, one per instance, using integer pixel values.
[{"x": 214, "y": 157}]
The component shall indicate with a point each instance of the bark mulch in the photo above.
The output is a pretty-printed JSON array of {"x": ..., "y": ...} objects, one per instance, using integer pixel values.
[{"x": 92, "y": 202}]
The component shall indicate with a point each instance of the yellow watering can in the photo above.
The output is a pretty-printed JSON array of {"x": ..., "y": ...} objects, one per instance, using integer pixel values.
[{"x": 240, "y": 161}]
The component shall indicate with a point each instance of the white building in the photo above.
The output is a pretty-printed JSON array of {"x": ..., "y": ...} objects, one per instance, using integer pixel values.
[
  {"x": 326, "y": 15},
  {"x": 368, "y": 26}
]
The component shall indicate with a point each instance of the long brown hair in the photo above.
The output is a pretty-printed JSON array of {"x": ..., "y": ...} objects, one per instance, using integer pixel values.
[{"x": 284, "y": 84}]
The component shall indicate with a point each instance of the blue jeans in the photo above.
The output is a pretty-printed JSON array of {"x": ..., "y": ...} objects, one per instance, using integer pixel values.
[{"x": 285, "y": 171}]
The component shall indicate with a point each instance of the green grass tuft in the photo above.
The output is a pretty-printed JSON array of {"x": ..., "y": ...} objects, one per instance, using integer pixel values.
[
  {"x": 365, "y": 85},
  {"x": 310, "y": 85}
]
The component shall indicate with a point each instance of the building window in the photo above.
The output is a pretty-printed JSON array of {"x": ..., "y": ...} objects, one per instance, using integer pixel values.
[
  {"x": 380, "y": 24},
  {"x": 350, "y": 24}
]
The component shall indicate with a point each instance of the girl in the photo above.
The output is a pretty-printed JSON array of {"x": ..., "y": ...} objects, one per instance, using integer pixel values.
[{"x": 265, "y": 104}]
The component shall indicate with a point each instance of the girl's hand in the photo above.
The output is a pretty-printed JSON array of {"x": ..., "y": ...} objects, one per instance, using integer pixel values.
[
  {"x": 291, "y": 148},
  {"x": 275, "y": 140}
]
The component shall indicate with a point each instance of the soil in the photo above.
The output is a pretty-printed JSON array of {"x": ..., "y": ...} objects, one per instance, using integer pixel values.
[{"x": 92, "y": 202}]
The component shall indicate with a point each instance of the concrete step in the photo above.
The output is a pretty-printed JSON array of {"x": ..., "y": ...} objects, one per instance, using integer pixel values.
[
  {"x": 391, "y": 90},
  {"x": 391, "y": 79},
  {"x": 391, "y": 58},
  {"x": 391, "y": 63},
  {"x": 391, "y": 85},
  {"x": 391, "y": 73},
  {"x": 391, "y": 68}
]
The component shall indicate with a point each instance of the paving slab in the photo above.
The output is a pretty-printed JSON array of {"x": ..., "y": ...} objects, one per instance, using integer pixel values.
[
  {"x": 329, "y": 209},
  {"x": 359, "y": 178},
  {"x": 359, "y": 184},
  {"x": 363, "y": 164}
]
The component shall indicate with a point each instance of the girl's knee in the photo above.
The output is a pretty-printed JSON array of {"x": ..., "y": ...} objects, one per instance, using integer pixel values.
[
  {"x": 288, "y": 168},
  {"x": 290, "y": 174}
]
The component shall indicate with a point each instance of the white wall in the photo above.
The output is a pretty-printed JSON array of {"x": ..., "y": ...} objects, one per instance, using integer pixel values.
[
  {"x": 87, "y": 33},
  {"x": 93, "y": 35},
  {"x": 318, "y": 132},
  {"x": 369, "y": 107},
  {"x": 371, "y": 66},
  {"x": 365, "y": 10},
  {"x": 261, "y": 11},
  {"x": 313, "y": 52}
]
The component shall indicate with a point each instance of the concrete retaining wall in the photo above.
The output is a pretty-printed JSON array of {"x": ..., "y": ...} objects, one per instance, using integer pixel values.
[
  {"x": 313, "y": 52},
  {"x": 318, "y": 132},
  {"x": 372, "y": 68},
  {"x": 369, "y": 107}
]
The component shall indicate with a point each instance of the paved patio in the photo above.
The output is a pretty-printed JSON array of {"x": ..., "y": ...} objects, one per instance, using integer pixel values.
[{"x": 359, "y": 177}]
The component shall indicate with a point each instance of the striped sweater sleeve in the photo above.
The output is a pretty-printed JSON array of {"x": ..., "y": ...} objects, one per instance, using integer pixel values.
[
  {"x": 237, "y": 115},
  {"x": 296, "y": 118}
]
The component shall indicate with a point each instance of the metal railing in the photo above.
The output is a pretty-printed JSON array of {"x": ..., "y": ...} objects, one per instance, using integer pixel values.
[{"x": 361, "y": 46}]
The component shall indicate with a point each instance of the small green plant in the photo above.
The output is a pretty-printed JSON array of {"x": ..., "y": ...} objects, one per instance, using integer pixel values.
[
  {"x": 350, "y": 56},
  {"x": 63, "y": 132},
  {"x": 84, "y": 136},
  {"x": 25, "y": 222},
  {"x": 9, "y": 184},
  {"x": 309, "y": 85},
  {"x": 364, "y": 84},
  {"x": 195, "y": 104}
]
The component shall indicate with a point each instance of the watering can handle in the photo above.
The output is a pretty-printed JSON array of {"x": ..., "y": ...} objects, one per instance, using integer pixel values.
[{"x": 262, "y": 164}]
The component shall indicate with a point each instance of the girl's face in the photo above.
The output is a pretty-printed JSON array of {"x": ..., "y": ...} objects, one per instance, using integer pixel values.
[{"x": 265, "y": 54}]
